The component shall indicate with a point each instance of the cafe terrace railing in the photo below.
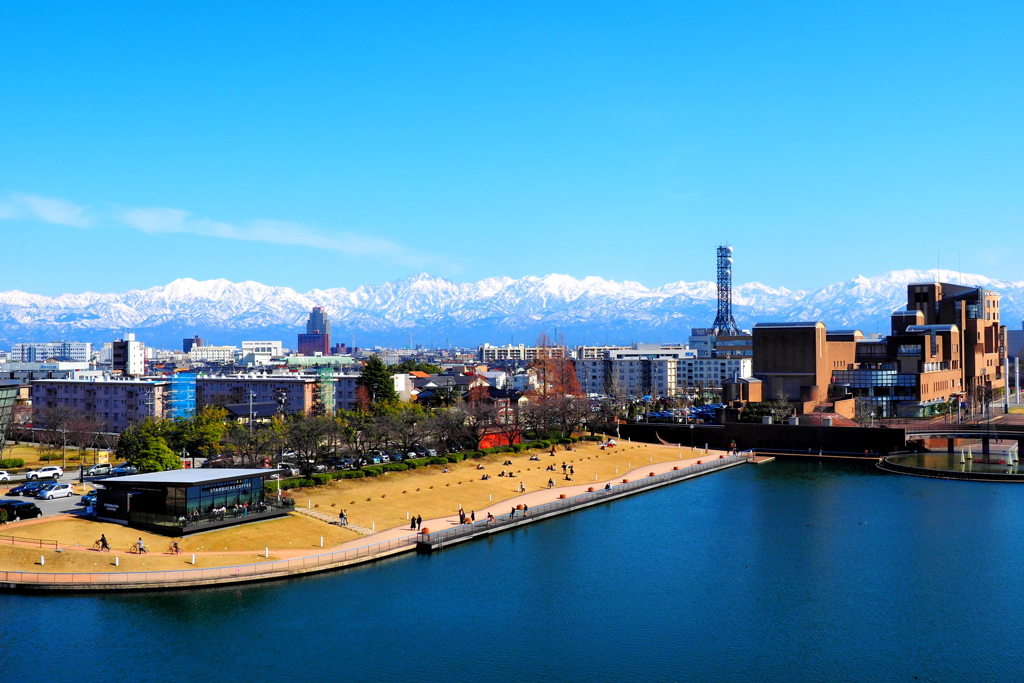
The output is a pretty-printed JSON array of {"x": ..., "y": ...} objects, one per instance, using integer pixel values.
[
  {"x": 438, "y": 539},
  {"x": 212, "y": 575},
  {"x": 192, "y": 522}
]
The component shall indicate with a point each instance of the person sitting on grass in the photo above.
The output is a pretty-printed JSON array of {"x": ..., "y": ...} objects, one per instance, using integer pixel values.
[{"x": 479, "y": 466}]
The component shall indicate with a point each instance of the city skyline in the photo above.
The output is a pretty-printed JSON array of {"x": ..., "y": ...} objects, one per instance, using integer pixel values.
[{"x": 366, "y": 145}]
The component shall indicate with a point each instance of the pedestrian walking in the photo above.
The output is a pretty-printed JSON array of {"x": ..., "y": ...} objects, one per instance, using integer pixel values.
[
  {"x": 572, "y": 472},
  {"x": 472, "y": 516},
  {"x": 412, "y": 525},
  {"x": 525, "y": 508},
  {"x": 512, "y": 515},
  {"x": 564, "y": 468},
  {"x": 419, "y": 522},
  {"x": 551, "y": 483}
]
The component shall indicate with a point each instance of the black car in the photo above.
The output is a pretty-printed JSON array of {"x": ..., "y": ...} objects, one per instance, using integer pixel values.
[
  {"x": 20, "y": 509},
  {"x": 30, "y": 489}
]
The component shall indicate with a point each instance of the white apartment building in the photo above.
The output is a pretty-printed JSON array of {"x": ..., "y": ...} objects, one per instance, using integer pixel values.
[
  {"x": 487, "y": 353},
  {"x": 212, "y": 354},
  {"x": 115, "y": 403},
  {"x": 652, "y": 369},
  {"x": 34, "y": 352},
  {"x": 274, "y": 348},
  {"x": 128, "y": 356}
]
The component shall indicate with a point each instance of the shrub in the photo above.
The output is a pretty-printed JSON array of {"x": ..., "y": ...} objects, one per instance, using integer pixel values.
[
  {"x": 10, "y": 463},
  {"x": 456, "y": 457},
  {"x": 413, "y": 463},
  {"x": 517, "y": 448},
  {"x": 321, "y": 479},
  {"x": 373, "y": 470},
  {"x": 395, "y": 467},
  {"x": 566, "y": 442},
  {"x": 350, "y": 474},
  {"x": 439, "y": 460},
  {"x": 3, "y": 516}
]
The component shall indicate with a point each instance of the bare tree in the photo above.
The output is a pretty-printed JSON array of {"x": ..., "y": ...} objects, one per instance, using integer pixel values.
[{"x": 780, "y": 407}]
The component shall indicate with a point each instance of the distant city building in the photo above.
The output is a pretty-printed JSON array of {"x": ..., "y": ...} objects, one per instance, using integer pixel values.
[
  {"x": 213, "y": 354},
  {"x": 488, "y": 354},
  {"x": 8, "y": 397},
  {"x": 116, "y": 403},
  {"x": 317, "y": 339},
  {"x": 128, "y": 356},
  {"x": 26, "y": 372},
  {"x": 656, "y": 370},
  {"x": 188, "y": 344},
  {"x": 273, "y": 348},
  {"x": 34, "y": 352}
]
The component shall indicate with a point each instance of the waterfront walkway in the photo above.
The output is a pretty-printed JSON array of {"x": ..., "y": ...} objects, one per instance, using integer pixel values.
[{"x": 376, "y": 546}]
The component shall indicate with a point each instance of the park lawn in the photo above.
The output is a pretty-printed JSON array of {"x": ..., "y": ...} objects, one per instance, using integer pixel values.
[
  {"x": 21, "y": 558},
  {"x": 294, "y": 532},
  {"x": 382, "y": 502}
]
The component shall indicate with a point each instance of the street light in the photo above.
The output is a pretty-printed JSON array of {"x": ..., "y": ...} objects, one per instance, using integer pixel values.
[{"x": 691, "y": 436}]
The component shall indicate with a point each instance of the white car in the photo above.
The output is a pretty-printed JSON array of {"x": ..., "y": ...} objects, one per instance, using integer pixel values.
[
  {"x": 56, "y": 491},
  {"x": 49, "y": 472},
  {"x": 4, "y": 476}
]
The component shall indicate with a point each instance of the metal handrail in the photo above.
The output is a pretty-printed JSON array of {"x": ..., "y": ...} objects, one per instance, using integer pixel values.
[{"x": 41, "y": 542}]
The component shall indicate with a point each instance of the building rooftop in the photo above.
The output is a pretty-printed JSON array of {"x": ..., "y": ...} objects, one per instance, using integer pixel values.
[
  {"x": 191, "y": 476},
  {"x": 798, "y": 324}
]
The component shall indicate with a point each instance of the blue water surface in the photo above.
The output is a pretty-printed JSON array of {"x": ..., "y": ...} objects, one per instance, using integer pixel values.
[{"x": 789, "y": 571}]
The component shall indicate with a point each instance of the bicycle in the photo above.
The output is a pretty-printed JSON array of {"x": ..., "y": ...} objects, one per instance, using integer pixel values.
[
  {"x": 98, "y": 545},
  {"x": 134, "y": 549},
  {"x": 174, "y": 550}
]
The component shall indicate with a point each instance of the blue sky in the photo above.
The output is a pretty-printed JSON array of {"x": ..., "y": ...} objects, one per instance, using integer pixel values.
[{"x": 323, "y": 145}]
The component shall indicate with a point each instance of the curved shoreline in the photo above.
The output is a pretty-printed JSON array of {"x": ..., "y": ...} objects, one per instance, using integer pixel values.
[{"x": 392, "y": 542}]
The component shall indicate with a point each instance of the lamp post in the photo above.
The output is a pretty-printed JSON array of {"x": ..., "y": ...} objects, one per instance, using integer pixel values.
[{"x": 691, "y": 435}]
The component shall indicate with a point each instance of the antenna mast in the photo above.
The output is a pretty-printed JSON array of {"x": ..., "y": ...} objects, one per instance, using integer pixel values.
[{"x": 725, "y": 324}]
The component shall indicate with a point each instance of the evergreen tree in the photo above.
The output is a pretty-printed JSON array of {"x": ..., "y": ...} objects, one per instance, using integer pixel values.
[{"x": 376, "y": 379}]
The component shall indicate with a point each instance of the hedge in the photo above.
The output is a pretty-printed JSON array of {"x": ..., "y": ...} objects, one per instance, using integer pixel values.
[
  {"x": 10, "y": 463},
  {"x": 374, "y": 470},
  {"x": 395, "y": 467},
  {"x": 456, "y": 457}
]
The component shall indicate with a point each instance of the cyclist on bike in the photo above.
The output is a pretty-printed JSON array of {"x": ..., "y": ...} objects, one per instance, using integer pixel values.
[
  {"x": 174, "y": 548},
  {"x": 104, "y": 546},
  {"x": 140, "y": 545}
]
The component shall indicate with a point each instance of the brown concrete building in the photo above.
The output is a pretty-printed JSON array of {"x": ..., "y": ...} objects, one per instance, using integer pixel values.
[
  {"x": 796, "y": 360},
  {"x": 947, "y": 347},
  {"x": 116, "y": 403},
  {"x": 976, "y": 312}
]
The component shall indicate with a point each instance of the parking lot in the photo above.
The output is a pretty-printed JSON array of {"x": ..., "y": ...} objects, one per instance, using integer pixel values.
[{"x": 49, "y": 507}]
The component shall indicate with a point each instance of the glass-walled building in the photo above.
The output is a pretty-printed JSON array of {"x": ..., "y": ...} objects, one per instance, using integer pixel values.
[{"x": 189, "y": 500}]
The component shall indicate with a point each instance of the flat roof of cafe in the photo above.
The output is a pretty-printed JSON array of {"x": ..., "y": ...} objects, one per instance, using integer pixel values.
[{"x": 192, "y": 477}]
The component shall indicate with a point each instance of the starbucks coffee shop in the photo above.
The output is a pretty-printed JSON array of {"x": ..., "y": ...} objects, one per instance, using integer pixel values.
[{"x": 185, "y": 501}]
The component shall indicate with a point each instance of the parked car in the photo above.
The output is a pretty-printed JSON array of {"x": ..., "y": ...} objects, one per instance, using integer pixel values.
[
  {"x": 88, "y": 498},
  {"x": 293, "y": 470},
  {"x": 48, "y": 472},
  {"x": 124, "y": 469},
  {"x": 4, "y": 475},
  {"x": 20, "y": 509},
  {"x": 96, "y": 470},
  {"x": 29, "y": 488},
  {"x": 62, "y": 490}
]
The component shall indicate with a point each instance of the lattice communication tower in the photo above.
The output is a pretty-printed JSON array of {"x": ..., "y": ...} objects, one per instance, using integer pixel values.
[{"x": 724, "y": 322}]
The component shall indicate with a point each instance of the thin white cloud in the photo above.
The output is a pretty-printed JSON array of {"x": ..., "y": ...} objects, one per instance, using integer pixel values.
[
  {"x": 159, "y": 220},
  {"x": 164, "y": 220},
  {"x": 48, "y": 210}
]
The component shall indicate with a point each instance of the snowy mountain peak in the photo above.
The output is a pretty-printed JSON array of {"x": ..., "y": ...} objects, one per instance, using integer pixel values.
[{"x": 435, "y": 308}]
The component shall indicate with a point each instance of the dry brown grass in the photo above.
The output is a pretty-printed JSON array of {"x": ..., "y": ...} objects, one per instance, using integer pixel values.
[{"x": 430, "y": 492}]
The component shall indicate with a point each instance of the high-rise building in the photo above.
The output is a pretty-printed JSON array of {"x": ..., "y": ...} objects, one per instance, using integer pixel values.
[
  {"x": 128, "y": 356},
  {"x": 188, "y": 344},
  {"x": 318, "y": 334}
]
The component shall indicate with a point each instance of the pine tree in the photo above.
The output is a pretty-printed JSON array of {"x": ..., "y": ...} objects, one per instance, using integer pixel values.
[{"x": 376, "y": 379}]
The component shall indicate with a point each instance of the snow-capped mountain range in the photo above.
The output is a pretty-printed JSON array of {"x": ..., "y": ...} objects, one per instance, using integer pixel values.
[{"x": 436, "y": 311}]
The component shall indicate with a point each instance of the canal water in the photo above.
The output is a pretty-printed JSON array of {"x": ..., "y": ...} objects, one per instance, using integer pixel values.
[{"x": 789, "y": 571}]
